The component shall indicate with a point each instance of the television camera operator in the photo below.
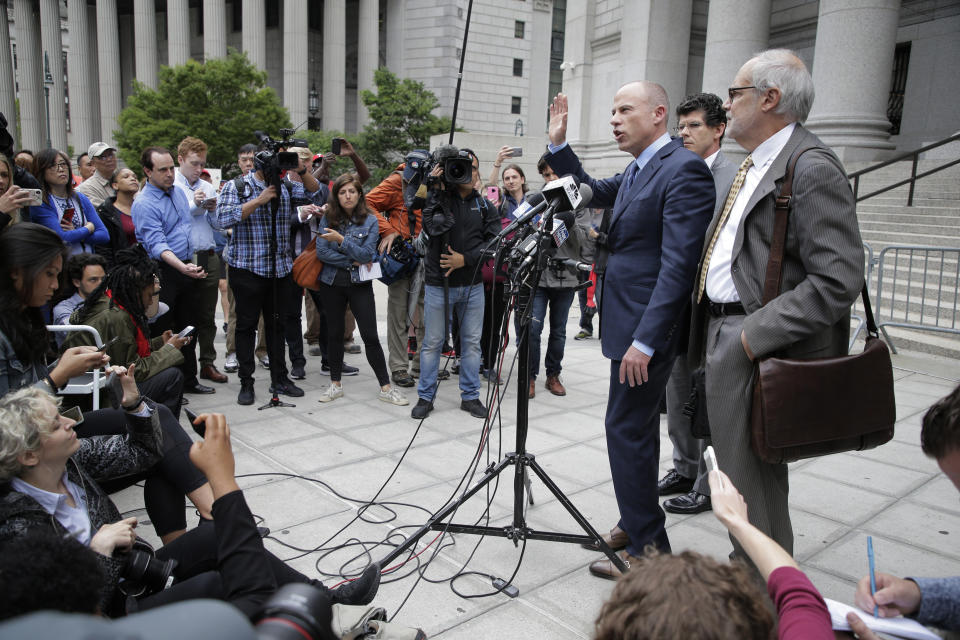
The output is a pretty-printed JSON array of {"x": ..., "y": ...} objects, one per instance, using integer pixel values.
[
  {"x": 457, "y": 223},
  {"x": 245, "y": 206}
]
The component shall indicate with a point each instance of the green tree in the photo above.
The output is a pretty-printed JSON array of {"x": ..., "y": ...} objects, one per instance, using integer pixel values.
[
  {"x": 401, "y": 119},
  {"x": 220, "y": 101}
]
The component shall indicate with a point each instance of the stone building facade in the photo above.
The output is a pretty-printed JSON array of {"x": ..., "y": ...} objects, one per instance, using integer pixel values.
[{"x": 885, "y": 70}]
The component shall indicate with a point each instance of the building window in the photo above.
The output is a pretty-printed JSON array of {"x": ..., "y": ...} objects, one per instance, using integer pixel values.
[
  {"x": 518, "y": 66},
  {"x": 518, "y": 27},
  {"x": 515, "y": 104},
  {"x": 237, "y": 15},
  {"x": 898, "y": 86}
]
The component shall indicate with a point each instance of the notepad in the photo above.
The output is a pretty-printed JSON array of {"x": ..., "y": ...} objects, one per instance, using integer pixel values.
[
  {"x": 899, "y": 627},
  {"x": 370, "y": 271}
]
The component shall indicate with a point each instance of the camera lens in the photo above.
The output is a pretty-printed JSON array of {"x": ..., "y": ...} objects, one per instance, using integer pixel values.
[
  {"x": 295, "y": 612},
  {"x": 146, "y": 573}
]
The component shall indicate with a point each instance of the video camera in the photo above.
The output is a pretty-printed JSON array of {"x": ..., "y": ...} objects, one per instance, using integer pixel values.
[
  {"x": 270, "y": 159},
  {"x": 457, "y": 165}
]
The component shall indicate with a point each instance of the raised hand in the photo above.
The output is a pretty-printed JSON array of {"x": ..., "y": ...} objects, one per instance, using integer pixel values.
[{"x": 558, "y": 120}]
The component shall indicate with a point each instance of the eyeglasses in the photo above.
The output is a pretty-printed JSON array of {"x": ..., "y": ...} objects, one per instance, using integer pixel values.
[
  {"x": 732, "y": 91},
  {"x": 691, "y": 126},
  {"x": 60, "y": 165}
]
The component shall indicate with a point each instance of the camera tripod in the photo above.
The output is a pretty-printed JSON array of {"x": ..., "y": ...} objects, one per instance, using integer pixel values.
[{"x": 520, "y": 459}]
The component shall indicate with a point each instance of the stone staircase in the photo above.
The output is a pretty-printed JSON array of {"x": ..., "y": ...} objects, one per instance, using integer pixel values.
[{"x": 918, "y": 287}]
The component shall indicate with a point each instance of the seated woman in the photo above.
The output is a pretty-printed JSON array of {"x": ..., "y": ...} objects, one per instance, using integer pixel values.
[
  {"x": 64, "y": 210},
  {"x": 31, "y": 257},
  {"x": 115, "y": 213},
  {"x": 688, "y": 595},
  {"x": 348, "y": 239},
  {"x": 46, "y": 485},
  {"x": 121, "y": 308}
]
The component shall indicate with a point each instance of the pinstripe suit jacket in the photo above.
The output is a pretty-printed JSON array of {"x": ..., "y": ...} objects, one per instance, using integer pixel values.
[
  {"x": 822, "y": 266},
  {"x": 724, "y": 171}
]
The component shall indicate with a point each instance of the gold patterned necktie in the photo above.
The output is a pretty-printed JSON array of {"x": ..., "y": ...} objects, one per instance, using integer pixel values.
[{"x": 727, "y": 206}]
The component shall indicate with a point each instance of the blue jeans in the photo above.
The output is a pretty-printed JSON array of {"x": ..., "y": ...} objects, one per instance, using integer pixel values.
[
  {"x": 466, "y": 303},
  {"x": 560, "y": 301}
]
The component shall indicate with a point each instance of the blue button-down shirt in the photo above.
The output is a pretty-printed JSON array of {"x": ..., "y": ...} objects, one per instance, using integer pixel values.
[
  {"x": 201, "y": 231},
  {"x": 163, "y": 222},
  {"x": 249, "y": 246},
  {"x": 76, "y": 520}
]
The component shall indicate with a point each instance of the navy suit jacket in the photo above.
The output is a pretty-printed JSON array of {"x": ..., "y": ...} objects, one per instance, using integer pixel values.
[{"x": 655, "y": 239}]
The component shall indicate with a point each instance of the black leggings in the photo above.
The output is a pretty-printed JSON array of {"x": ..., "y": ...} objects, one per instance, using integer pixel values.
[
  {"x": 334, "y": 300},
  {"x": 166, "y": 482}
]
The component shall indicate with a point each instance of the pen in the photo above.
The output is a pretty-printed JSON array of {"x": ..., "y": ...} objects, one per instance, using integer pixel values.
[{"x": 873, "y": 575}]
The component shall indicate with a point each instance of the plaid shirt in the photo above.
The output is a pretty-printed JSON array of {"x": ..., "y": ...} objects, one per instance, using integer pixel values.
[{"x": 249, "y": 246}]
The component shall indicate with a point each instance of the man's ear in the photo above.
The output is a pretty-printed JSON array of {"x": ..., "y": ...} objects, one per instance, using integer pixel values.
[{"x": 770, "y": 98}]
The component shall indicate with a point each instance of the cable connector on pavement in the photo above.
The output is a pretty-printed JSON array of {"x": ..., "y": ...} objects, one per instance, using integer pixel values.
[{"x": 503, "y": 587}]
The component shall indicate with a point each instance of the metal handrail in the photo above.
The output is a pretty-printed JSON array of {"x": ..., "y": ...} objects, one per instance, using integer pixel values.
[{"x": 914, "y": 176}]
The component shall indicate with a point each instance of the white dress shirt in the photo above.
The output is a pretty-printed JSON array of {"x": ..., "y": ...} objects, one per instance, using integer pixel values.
[{"x": 720, "y": 286}]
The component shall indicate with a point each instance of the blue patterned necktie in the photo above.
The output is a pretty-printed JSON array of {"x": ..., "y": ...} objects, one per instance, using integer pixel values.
[{"x": 631, "y": 175}]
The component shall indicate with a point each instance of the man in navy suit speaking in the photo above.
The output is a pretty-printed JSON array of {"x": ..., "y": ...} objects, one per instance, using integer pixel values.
[{"x": 662, "y": 204}]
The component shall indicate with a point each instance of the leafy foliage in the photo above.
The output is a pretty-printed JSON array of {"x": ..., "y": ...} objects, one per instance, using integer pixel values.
[{"x": 221, "y": 101}]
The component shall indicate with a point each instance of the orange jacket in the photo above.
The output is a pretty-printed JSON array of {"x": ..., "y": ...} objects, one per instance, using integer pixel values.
[{"x": 386, "y": 200}]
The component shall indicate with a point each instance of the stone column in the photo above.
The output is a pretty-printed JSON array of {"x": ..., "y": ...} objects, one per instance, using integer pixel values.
[
  {"x": 851, "y": 72},
  {"x": 84, "y": 125},
  {"x": 145, "y": 41},
  {"x": 52, "y": 48},
  {"x": 538, "y": 68},
  {"x": 295, "y": 84},
  {"x": 214, "y": 29},
  {"x": 8, "y": 105},
  {"x": 657, "y": 45},
  {"x": 578, "y": 70},
  {"x": 108, "y": 57},
  {"x": 33, "y": 124},
  {"x": 736, "y": 29},
  {"x": 368, "y": 53},
  {"x": 254, "y": 37},
  {"x": 178, "y": 32},
  {"x": 333, "y": 96}
]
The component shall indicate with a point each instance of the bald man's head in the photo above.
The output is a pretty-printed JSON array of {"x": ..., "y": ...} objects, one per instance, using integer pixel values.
[{"x": 640, "y": 112}]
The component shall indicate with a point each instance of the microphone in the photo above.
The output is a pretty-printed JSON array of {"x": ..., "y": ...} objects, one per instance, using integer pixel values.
[
  {"x": 574, "y": 264},
  {"x": 563, "y": 193},
  {"x": 531, "y": 207}
]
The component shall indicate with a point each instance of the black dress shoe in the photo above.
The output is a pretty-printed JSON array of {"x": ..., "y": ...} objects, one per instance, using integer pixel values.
[
  {"x": 246, "y": 395},
  {"x": 691, "y": 502},
  {"x": 360, "y": 591},
  {"x": 196, "y": 387},
  {"x": 673, "y": 482},
  {"x": 421, "y": 410},
  {"x": 286, "y": 388}
]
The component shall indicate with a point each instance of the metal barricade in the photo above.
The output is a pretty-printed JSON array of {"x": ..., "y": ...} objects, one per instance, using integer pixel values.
[{"x": 918, "y": 288}]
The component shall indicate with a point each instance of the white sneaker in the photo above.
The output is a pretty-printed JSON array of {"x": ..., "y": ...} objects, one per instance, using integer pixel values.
[
  {"x": 230, "y": 364},
  {"x": 265, "y": 362},
  {"x": 332, "y": 393},
  {"x": 394, "y": 397}
]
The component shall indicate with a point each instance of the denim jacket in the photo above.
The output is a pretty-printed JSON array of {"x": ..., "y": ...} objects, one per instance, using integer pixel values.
[
  {"x": 359, "y": 245},
  {"x": 15, "y": 374}
]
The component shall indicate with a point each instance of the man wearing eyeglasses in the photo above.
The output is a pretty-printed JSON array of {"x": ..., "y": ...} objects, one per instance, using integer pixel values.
[
  {"x": 770, "y": 97},
  {"x": 97, "y": 187},
  {"x": 701, "y": 122}
]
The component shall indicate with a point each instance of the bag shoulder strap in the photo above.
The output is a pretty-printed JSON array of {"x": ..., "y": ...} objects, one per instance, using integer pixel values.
[{"x": 772, "y": 280}]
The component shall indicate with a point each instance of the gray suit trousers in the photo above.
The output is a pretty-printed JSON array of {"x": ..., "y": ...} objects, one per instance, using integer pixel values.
[
  {"x": 687, "y": 450},
  {"x": 729, "y": 396}
]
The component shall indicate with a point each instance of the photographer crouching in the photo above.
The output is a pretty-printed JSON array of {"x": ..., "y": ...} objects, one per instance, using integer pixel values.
[
  {"x": 245, "y": 207},
  {"x": 457, "y": 223}
]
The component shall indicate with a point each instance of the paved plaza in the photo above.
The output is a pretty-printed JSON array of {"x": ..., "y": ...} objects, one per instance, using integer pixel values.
[{"x": 353, "y": 444}]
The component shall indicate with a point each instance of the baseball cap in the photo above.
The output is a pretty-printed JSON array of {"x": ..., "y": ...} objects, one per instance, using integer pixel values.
[
  {"x": 414, "y": 161},
  {"x": 318, "y": 157},
  {"x": 97, "y": 148}
]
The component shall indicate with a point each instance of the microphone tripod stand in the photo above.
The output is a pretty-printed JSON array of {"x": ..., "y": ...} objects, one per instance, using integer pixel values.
[
  {"x": 520, "y": 459},
  {"x": 278, "y": 344}
]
